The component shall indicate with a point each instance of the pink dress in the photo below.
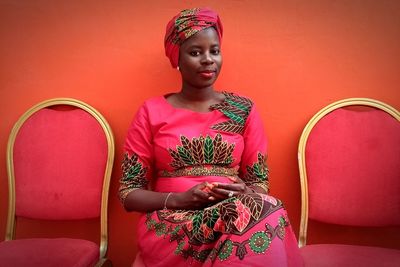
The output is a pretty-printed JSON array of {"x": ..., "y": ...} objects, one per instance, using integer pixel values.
[{"x": 171, "y": 150}]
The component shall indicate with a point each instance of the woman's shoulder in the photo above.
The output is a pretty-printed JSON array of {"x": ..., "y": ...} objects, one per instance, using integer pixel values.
[
  {"x": 234, "y": 97},
  {"x": 152, "y": 103}
]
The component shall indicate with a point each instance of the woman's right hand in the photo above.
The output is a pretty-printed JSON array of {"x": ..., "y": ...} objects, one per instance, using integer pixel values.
[{"x": 196, "y": 197}]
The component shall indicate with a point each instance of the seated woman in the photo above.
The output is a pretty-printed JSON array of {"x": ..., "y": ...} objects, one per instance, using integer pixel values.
[{"x": 195, "y": 165}]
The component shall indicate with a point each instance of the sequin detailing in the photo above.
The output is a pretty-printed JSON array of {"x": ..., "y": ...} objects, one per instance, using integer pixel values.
[{"x": 202, "y": 171}]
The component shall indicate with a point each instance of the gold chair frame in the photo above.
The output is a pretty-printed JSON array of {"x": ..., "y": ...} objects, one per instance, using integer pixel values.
[
  {"x": 302, "y": 145},
  {"x": 11, "y": 218}
]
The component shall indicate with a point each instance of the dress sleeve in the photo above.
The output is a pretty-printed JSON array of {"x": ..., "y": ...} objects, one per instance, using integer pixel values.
[
  {"x": 138, "y": 155},
  {"x": 253, "y": 167}
]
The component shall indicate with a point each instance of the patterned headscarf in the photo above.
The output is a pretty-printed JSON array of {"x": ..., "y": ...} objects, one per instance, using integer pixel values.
[{"x": 187, "y": 23}]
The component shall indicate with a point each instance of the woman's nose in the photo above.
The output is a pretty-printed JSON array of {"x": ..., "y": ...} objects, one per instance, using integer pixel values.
[{"x": 207, "y": 59}]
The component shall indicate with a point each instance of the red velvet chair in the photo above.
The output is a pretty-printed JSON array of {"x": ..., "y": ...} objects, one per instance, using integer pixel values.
[
  {"x": 59, "y": 161},
  {"x": 349, "y": 160}
]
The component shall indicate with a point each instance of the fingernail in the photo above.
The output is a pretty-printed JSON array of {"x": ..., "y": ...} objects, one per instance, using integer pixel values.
[{"x": 211, "y": 198}]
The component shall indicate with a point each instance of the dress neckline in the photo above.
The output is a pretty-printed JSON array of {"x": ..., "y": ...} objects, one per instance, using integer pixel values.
[{"x": 164, "y": 99}]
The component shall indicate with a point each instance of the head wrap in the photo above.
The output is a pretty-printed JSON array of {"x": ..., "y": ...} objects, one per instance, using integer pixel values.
[{"x": 184, "y": 25}]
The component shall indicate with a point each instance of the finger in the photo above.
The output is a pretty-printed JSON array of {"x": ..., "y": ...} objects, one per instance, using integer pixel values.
[
  {"x": 239, "y": 180},
  {"x": 233, "y": 187},
  {"x": 205, "y": 187},
  {"x": 217, "y": 196},
  {"x": 225, "y": 193},
  {"x": 236, "y": 180},
  {"x": 201, "y": 194}
]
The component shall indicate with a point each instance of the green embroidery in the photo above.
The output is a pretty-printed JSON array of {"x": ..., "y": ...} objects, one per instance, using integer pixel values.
[
  {"x": 133, "y": 175},
  {"x": 208, "y": 150},
  {"x": 210, "y": 217},
  {"x": 283, "y": 222},
  {"x": 184, "y": 154},
  {"x": 238, "y": 105},
  {"x": 160, "y": 229},
  {"x": 150, "y": 222},
  {"x": 281, "y": 230},
  {"x": 237, "y": 109},
  {"x": 200, "y": 151},
  {"x": 226, "y": 250},
  {"x": 197, "y": 222},
  {"x": 257, "y": 174},
  {"x": 179, "y": 248},
  {"x": 233, "y": 116},
  {"x": 259, "y": 242}
]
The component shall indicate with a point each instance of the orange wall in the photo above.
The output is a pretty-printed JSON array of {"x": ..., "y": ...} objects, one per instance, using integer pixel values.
[{"x": 292, "y": 57}]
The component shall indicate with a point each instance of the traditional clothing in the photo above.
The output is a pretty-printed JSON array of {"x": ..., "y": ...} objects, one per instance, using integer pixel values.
[
  {"x": 187, "y": 23},
  {"x": 174, "y": 149}
]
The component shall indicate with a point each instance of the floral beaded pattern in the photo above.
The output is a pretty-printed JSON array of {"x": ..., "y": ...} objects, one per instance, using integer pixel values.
[
  {"x": 258, "y": 242},
  {"x": 133, "y": 175}
]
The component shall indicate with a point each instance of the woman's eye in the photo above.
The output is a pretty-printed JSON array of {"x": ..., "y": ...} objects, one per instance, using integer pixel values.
[
  {"x": 215, "y": 52},
  {"x": 194, "y": 53}
]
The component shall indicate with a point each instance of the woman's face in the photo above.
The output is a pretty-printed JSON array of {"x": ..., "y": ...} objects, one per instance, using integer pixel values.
[{"x": 200, "y": 59}]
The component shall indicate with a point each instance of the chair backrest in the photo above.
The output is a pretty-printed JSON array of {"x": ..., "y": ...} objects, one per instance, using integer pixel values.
[
  {"x": 349, "y": 160},
  {"x": 59, "y": 160}
]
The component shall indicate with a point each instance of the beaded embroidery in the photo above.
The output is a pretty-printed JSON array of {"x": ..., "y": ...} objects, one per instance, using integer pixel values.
[
  {"x": 237, "y": 109},
  {"x": 133, "y": 175},
  {"x": 258, "y": 242}
]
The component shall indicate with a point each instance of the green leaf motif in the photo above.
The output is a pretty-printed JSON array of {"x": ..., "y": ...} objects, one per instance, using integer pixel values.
[
  {"x": 237, "y": 109},
  {"x": 233, "y": 116},
  {"x": 197, "y": 219},
  {"x": 210, "y": 217},
  {"x": 238, "y": 105},
  {"x": 258, "y": 171},
  {"x": 185, "y": 156},
  {"x": 208, "y": 150},
  {"x": 134, "y": 170}
]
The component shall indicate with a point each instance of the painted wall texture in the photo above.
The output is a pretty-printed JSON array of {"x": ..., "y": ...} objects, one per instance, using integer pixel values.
[{"x": 291, "y": 57}]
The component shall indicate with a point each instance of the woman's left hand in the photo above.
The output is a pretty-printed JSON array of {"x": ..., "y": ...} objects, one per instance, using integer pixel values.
[{"x": 222, "y": 191}]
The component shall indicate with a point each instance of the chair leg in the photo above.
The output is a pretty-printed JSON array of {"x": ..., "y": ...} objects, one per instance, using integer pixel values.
[{"x": 104, "y": 263}]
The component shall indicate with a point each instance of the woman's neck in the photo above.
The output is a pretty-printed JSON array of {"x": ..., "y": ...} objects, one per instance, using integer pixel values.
[
  {"x": 197, "y": 94},
  {"x": 194, "y": 99}
]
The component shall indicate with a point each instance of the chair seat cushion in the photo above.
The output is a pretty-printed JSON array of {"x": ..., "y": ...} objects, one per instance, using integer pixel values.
[
  {"x": 333, "y": 255},
  {"x": 57, "y": 252}
]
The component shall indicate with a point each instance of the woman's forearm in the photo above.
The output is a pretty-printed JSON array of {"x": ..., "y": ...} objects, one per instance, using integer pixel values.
[{"x": 145, "y": 201}]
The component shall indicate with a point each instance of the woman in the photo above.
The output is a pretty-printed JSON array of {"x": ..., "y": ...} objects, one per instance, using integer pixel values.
[{"x": 195, "y": 164}]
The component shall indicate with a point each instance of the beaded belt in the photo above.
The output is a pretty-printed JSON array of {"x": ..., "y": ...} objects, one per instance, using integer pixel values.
[{"x": 212, "y": 170}]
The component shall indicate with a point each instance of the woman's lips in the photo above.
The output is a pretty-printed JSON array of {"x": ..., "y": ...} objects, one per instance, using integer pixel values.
[{"x": 207, "y": 74}]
